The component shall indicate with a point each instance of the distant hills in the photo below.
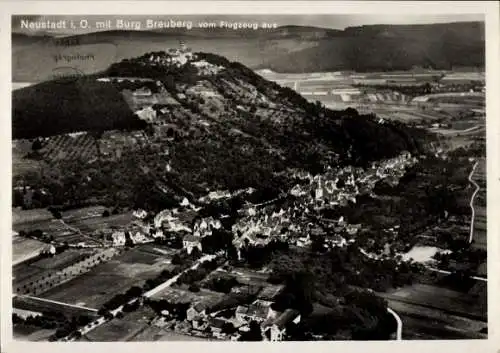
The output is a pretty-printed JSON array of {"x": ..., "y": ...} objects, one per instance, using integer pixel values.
[
  {"x": 389, "y": 47},
  {"x": 285, "y": 49}
]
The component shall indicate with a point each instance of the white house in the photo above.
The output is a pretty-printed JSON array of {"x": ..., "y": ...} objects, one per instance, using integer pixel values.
[
  {"x": 190, "y": 242},
  {"x": 184, "y": 202},
  {"x": 147, "y": 113},
  {"x": 203, "y": 227},
  {"x": 259, "y": 311},
  {"x": 140, "y": 213},
  {"x": 276, "y": 330},
  {"x": 118, "y": 238}
]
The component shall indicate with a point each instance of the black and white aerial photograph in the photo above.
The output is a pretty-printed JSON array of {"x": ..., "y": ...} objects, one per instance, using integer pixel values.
[{"x": 245, "y": 177}]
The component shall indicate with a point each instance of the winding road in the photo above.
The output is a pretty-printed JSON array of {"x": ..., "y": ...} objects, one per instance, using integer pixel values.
[
  {"x": 399, "y": 330},
  {"x": 471, "y": 235}
]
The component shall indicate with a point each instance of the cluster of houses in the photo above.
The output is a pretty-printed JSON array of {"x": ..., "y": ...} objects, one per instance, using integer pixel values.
[
  {"x": 326, "y": 189},
  {"x": 262, "y": 225},
  {"x": 212, "y": 314}
]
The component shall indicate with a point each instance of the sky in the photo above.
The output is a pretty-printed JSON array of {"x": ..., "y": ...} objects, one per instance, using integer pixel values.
[{"x": 339, "y": 21}]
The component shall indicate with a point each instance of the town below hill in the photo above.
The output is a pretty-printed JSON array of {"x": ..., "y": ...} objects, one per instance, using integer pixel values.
[{"x": 224, "y": 206}]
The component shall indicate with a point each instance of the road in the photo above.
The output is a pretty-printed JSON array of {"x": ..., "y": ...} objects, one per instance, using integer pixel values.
[
  {"x": 399, "y": 330},
  {"x": 172, "y": 280},
  {"x": 101, "y": 320},
  {"x": 471, "y": 235},
  {"x": 477, "y": 278}
]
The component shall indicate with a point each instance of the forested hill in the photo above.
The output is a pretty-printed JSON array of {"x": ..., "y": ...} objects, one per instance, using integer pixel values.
[
  {"x": 390, "y": 47},
  {"x": 224, "y": 126},
  {"x": 224, "y": 92},
  {"x": 69, "y": 105}
]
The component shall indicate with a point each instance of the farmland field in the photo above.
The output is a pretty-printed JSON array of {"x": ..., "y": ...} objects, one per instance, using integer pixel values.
[
  {"x": 91, "y": 223},
  {"x": 25, "y": 248},
  {"x": 63, "y": 260},
  {"x": 87, "y": 220},
  {"x": 132, "y": 268},
  {"x": 70, "y": 146},
  {"x": 31, "y": 334},
  {"x": 38, "y": 305},
  {"x": 122, "y": 329},
  {"x": 440, "y": 299},
  {"x": 55, "y": 263},
  {"x": 28, "y": 216},
  {"x": 418, "y": 324},
  {"x": 21, "y": 165},
  {"x": 154, "y": 333},
  {"x": 52, "y": 225},
  {"x": 178, "y": 295},
  {"x": 83, "y": 213}
]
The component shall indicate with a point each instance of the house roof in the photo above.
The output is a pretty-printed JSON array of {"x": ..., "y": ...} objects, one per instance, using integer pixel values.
[
  {"x": 226, "y": 302},
  {"x": 258, "y": 309},
  {"x": 271, "y": 291},
  {"x": 217, "y": 323},
  {"x": 191, "y": 238},
  {"x": 206, "y": 304},
  {"x": 187, "y": 217}
]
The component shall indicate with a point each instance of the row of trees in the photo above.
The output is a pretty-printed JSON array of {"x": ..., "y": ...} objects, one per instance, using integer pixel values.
[
  {"x": 258, "y": 256},
  {"x": 195, "y": 275},
  {"x": 175, "y": 310},
  {"x": 120, "y": 299}
]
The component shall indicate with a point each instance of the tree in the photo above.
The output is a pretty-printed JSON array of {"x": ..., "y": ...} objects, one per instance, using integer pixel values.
[
  {"x": 228, "y": 328},
  {"x": 194, "y": 288},
  {"x": 119, "y": 315},
  {"x": 55, "y": 212},
  {"x": 105, "y": 213},
  {"x": 318, "y": 243},
  {"x": 195, "y": 253},
  {"x": 37, "y": 145},
  {"x": 134, "y": 292},
  {"x": 108, "y": 315},
  {"x": 176, "y": 260},
  {"x": 254, "y": 334}
]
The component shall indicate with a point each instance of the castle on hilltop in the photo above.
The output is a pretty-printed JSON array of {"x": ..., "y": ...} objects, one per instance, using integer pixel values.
[{"x": 182, "y": 54}]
